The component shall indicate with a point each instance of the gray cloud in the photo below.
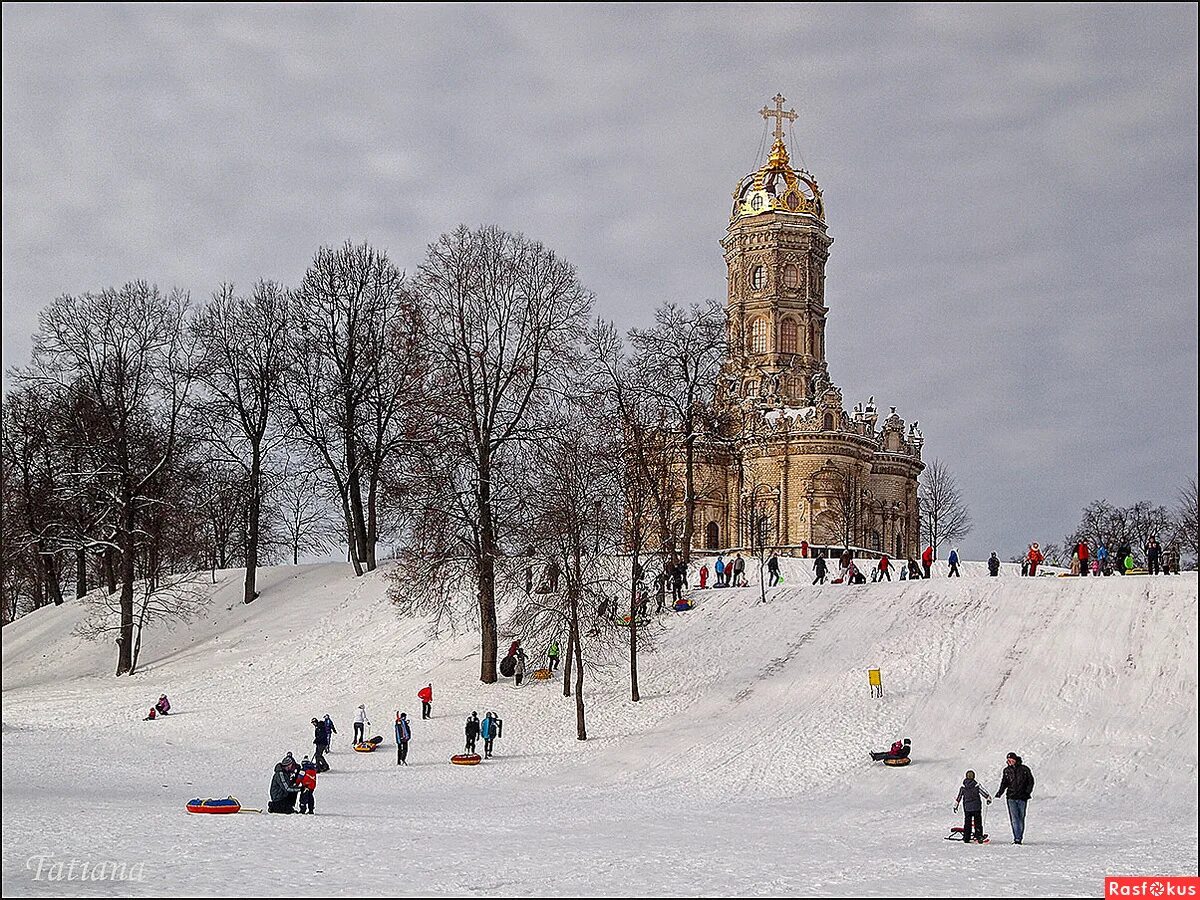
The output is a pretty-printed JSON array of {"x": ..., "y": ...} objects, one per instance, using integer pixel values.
[{"x": 1012, "y": 189}]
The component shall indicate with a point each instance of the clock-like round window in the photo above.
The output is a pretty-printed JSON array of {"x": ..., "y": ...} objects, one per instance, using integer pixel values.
[
  {"x": 791, "y": 276},
  {"x": 757, "y": 276}
]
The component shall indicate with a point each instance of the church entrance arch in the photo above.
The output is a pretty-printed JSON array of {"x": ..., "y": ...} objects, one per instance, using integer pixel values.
[{"x": 712, "y": 536}]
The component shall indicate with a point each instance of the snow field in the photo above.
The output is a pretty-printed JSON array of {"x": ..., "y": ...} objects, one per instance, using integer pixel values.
[{"x": 742, "y": 770}]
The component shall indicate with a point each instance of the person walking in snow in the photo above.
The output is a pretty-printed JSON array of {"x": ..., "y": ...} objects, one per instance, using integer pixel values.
[
  {"x": 719, "y": 570},
  {"x": 1081, "y": 550},
  {"x": 519, "y": 671},
  {"x": 953, "y": 563},
  {"x": 968, "y": 796},
  {"x": 819, "y": 569},
  {"x": 1153, "y": 556},
  {"x": 1017, "y": 780},
  {"x": 927, "y": 559},
  {"x": 552, "y": 573},
  {"x": 489, "y": 730},
  {"x": 472, "y": 731},
  {"x": 773, "y": 570},
  {"x": 552, "y": 655},
  {"x": 885, "y": 568},
  {"x": 993, "y": 565},
  {"x": 528, "y": 580},
  {"x": 403, "y": 736},
  {"x": 676, "y": 581},
  {"x": 425, "y": 695},
  {"x": 321, "y": 742}
]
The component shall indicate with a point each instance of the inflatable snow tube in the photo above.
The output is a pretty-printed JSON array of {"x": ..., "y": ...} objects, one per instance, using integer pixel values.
[
  {"x": 215, "y": 807},
  {"x": 465, "y": 759},
  {"x": 902, "y": 761},
  {"x": 508, "y": 665},
  {"x": 542, "y": 674},
  {"x": 683, "y": 606},
  {"x": 365, "y": 747}
]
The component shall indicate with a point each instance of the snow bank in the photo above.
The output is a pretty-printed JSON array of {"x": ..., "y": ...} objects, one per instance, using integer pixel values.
[{"x": 742, "y": 770}]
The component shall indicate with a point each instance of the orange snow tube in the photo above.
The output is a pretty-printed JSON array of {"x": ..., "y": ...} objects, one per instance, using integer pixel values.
[
  {"x": 902, "y": 761},
  {"x": 465, "y": 759},
  {"x": 541, "y": 674}
]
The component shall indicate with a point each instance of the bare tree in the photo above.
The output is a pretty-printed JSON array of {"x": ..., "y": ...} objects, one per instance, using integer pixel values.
[
  {"x": 302, "y": 512},
  {"x": 944, "y": 514},
  {"x": 350, "y": 385},
  {"x": 242, "y": 361},
  {"x": 576, "y": 521},
  {"x": 1186, "y": 515},
  {"x": 128, "y": 354},
  {"x": 679, "y": 358},
  {"x": 504, "y": 316}
]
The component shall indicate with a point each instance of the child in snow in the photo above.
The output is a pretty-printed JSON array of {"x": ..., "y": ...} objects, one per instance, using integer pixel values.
[
  {"x": 968, "y": 796},
  {"x": 153, "y": 715},
  {"x": 899, "y": 750},
  {"x": 519, "y": 671},
  {"x": 307, "y": 780},
  {"x": 163, "y": 705},
  {"x": 403, "y": 736}
]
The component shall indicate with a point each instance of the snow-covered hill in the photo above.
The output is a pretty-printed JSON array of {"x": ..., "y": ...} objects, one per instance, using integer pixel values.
[{"x": 742, "y": 770}]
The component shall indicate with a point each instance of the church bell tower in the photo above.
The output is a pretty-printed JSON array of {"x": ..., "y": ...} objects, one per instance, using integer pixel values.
[{"x": 776, "y": 247}]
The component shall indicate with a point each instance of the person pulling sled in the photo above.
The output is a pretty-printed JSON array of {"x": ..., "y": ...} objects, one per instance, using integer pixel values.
[{"x": 969, "y": 796}]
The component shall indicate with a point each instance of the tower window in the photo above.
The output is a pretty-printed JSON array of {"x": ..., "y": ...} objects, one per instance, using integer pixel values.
[
  {"x": 757, "y": 277},
  {"x": 758, "y": 336},
  {"x": 791, "y": 276},
  {"x": 787, "y": 336},
  {"x": 828, "y": 422}
]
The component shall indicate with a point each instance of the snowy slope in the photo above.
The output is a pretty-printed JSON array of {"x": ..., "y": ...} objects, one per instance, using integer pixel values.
[{"x": 743, "y": 769}]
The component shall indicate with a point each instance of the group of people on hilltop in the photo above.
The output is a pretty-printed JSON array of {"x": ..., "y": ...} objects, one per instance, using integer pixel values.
[
  {"x": 731, "y": 572},
  {"x": 1121, "y": 561}
]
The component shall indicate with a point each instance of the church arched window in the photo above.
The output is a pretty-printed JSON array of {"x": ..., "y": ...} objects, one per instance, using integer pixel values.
[
  {"x": 787, "y": 336},
  {"x": 827, "y": 424},
  {"x": 758, "y": 335},
  {"x": 758, "y": 277},
  {"x": 791, "y": 276}
]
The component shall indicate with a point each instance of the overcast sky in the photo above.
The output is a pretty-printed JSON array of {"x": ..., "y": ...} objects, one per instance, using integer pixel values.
[{"x": 1011, "y": 190}]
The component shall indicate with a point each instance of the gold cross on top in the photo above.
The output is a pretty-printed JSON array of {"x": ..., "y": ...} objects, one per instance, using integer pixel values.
[{"x": 778, "y": 115}]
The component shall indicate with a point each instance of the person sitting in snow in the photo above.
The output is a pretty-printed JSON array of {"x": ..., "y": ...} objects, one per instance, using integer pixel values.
[
  {"x": 163, "y": 705},
  {"x": 307, "y": 780},
  {"x": 899, "y": 750},
  {"x": 153, "y": 715}
]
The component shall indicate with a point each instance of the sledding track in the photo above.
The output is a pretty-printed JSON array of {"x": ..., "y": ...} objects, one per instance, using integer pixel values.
[{"x": 752, "y": 715}]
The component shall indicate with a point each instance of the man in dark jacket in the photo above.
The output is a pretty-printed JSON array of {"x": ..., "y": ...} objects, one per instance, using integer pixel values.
[
  {"x": 1018, "y": 781},
  {"x": 321, "y": 742},
  {"x": 472, "y": 732},
  {"x": 993, "y": 564},
  {"x": 819, "y": 567},
  {"x": 283, "y": 787}
]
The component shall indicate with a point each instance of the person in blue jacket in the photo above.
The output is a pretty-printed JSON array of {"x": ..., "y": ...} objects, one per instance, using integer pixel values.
[
  {"x": 489, "y": 730},
  {"x": 719, "y": 568},
  {"x": 403, "y": 736},
  {"x": 954, "y": 563},
  {"x": 1102, "y": 557}
]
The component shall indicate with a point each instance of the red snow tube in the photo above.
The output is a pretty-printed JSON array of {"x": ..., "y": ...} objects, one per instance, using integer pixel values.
[
  {"x": 902, "y": 761},
  {"x": 216, "y": 807},
  {"x": 465, "y": 759}
]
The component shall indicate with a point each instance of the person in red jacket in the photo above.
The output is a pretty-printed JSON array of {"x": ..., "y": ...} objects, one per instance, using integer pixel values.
[
  {"x": 425, "y": 695},
  {"x": 885, "y": 568},
  {"x": 1035, "y": 557},
  {"x": 307, "y": 779},
  {"x": 1082, "y": 550},
  {"x": 927, "y": 559}
]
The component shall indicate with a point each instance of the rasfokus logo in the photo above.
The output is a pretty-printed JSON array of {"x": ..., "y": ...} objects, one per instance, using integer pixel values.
[{"x": 1151, "y": 886}]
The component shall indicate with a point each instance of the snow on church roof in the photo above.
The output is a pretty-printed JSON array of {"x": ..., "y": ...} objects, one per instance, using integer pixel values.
[{"x": 794, "y": 413}]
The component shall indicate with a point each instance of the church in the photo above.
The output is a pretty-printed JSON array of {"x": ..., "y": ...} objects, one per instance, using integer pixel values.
[{"x": 785, "y": 465}]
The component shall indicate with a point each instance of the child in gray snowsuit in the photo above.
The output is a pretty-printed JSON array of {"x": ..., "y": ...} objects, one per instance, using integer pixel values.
[{"x": 968, "y": 796}]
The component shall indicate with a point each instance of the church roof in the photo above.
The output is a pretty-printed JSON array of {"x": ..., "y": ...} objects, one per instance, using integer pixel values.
[{"x": 776, "y": 186}]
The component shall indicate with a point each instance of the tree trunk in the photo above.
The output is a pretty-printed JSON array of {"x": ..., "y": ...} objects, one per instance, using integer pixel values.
[
  {"x": 252, "y": 537},
  {"x": 372, "y": 525},
  {"x": 53, "y": 586},
  {"x": 633, "y": 624},
  {"x": 354, "y": 487},
  {"x": 80, "y": 572},
  {"x": 110, "y": 569},
  {"x": 127, "y": 539},
  {"x": 570, "y": 660},
  {"x": 580, "y": 725},
  {"x": 689, "y": 488},
  {"x": 352, "y": 552},
  {"x": 487, "y": 576}
]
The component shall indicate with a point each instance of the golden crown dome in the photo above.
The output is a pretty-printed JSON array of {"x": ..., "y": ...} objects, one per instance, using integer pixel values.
[{"x": 777, "y": 187}]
